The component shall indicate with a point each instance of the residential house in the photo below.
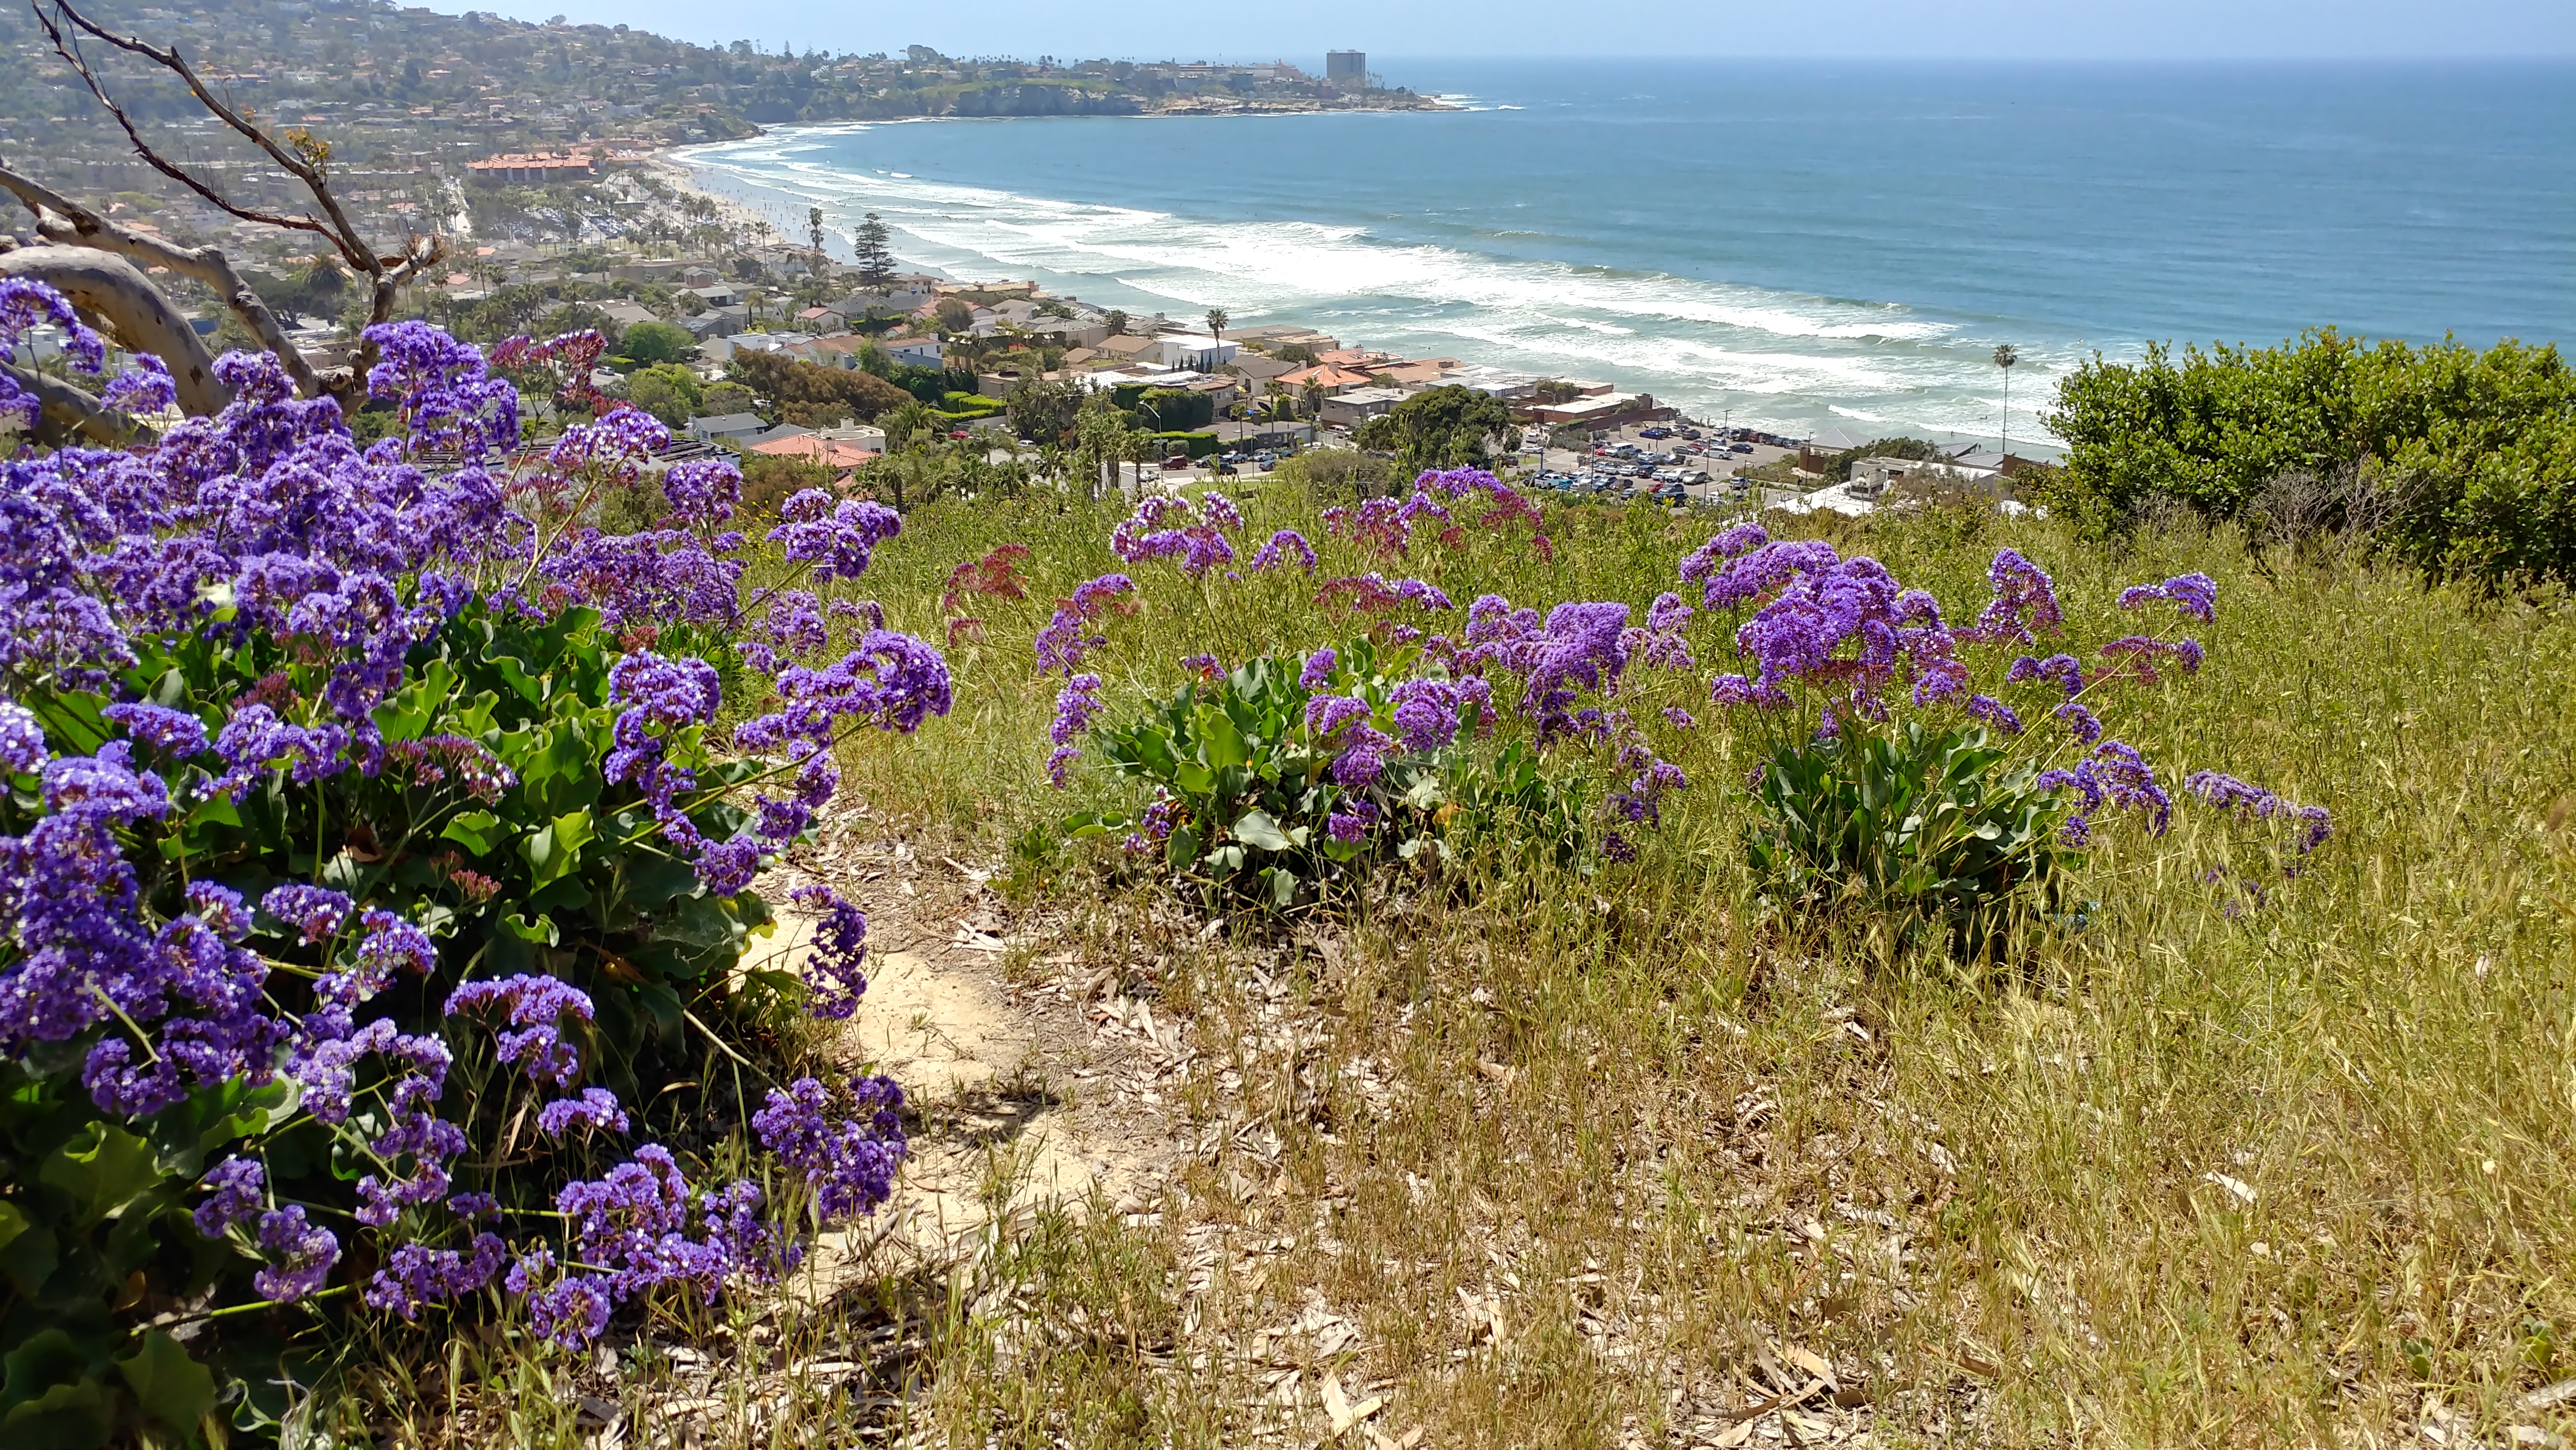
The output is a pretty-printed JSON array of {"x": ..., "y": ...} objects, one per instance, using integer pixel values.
[
  {"x": 822, "y": 319},
  {"x": 1606, "y": 411},
  {"x": 919, "y": 352},
  {"x": 1330, "y": 378},
  {"x": 626, "y": 314},
  {"x": 1258, "y": 369},
  {"x": 1127, "y": 349},
  {"x": 833, "y": 453},
  {"x": 732, "y": 427},
  {"x": 718, "y": 294},
  {"x": 1349, "y": 410},
  {"x": 1196, "y": 351},
  {"x": 1492, "y": 381}
]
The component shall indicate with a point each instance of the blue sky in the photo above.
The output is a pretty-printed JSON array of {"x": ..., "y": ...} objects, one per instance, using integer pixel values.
[{"x": 1875, "y": 29}]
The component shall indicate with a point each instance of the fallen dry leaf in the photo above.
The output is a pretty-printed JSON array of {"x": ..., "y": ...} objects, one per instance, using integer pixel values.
[{"x": 2237, "y": 1186}]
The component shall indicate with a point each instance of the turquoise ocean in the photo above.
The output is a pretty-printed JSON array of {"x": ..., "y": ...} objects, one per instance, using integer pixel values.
[{"x": 1793, "y": 246}]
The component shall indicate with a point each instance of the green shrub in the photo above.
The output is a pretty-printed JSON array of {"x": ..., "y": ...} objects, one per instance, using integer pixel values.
[
  {"x": 1931, "y": 829},
  {"x": 1246, "y": 800},
  {"x": 557, "y": 872},
  {"x": 2460, "y": 460}
]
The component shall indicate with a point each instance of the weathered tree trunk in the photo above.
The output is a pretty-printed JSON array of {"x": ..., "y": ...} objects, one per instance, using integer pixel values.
[{"x": 115, "y": 291}]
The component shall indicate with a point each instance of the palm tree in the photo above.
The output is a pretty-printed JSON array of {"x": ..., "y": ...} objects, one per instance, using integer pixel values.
[
  {"x": 1217, "y": 320},
  {"x": 2005, "y": 357}
]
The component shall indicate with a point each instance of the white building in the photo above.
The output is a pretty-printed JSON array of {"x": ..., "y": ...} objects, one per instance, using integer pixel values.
[{"x": 1196, "y": 352}]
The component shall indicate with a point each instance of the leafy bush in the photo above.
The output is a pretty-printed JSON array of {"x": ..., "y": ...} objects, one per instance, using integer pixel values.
[
  {"x": 1939, "y": 828},
  {"x": 649, "y": 343},
  {"x": 1271, "y": 778},
  {"x": 2462, "y": 457},
  {"x": 1893, "y": 799},
  {"x": 335, "y": 787}
]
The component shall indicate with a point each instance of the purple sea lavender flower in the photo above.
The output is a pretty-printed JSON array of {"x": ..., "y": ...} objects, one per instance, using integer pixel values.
[
  {"x": 537, "y": 1006},
  {"x": 1363, "y": 755},
  {"x": 221, "y": 908},
  {"x": 1283, "y": 543},
  {"x": 316, "y": 912},
  {"x": 1063, "y": 643},
  {"x": 300, "y": 1255},
  {"x": 703, "y": 492},
  {"x": 2063, "y": 669},
  {"x": 836, "y": 543},
  {"x": 834, "y": 966},
  {"x": 1426, "y": 713},
  {"x": 1326, "y": 714},
  {"x": 2082, "y": 722},
  {"x": 596, "y": 1109},
  {"x": 1318, "y": 671},
  {"x": 1679, "y": 718},
  {"x": 1353, "y": 824},
  {"x": 22, "y": 740},
  {"x": 2025, "y": 602},
  {"x": 1994, "y": 712},
  {"x": 416, "y": 1276},
  {"x": 174, "y": 734},
  {"x": 2195, "y": 594},
  {"x": 849, "y": 1162},
  {"x": 235, "y": 1189}
]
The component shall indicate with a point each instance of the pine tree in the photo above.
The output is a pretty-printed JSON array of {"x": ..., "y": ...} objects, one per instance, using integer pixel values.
[{"x": 875, "y": 259}]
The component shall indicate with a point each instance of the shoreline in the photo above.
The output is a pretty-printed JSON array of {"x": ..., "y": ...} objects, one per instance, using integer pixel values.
[{"x": 1831, "y": 413}]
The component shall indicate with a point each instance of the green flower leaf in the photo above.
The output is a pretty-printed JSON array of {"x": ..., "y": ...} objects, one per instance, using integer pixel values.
[{"x": 168, "y": 1385}]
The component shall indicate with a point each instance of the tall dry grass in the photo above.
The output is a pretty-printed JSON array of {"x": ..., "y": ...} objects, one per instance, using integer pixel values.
[{"x": 2246, "y": 1158}]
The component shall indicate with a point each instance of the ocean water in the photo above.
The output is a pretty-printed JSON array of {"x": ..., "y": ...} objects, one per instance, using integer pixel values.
[{"x": 1792, "y": 246}]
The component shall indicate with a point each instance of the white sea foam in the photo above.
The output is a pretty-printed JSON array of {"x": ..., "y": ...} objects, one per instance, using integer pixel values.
[{"x": 1698, "y": 342}]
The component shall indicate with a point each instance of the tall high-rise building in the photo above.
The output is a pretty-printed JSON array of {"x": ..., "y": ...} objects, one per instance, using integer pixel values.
[{"x": 1346, "y": 67}]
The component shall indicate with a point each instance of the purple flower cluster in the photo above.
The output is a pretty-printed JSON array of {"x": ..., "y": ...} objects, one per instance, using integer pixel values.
[
  {"x": 266, "y": 530},
  {"x": 631, "y": 1231},
  {"x": 2195, "y": 594},
  {"x": 1429, "y": 713},
  {"x": 1376, "y": 594},
  {"x": 834, "y": 967},
  {"x": 596, "y": 1108},
  {"x": 1845, "y": 625},
  {"x": 1063, "y": 643},
  {"x": 537, "y": 1006},
  {"x": 1283, "y": 543},
  {"x": 850, "y": 1162},
  {"x": 836, "y": 539},
  {"x": 2114, "y": 775},
  {"x": 1075, "y": 706},
  {"x": 1641, "y": 800},
  {"x": 1165, "y": 527},
  {"x": 2246, "y": 799},
  {"x": 1342, "y": 723},
  {"x": 299, "y": 1254},
  {"x": 416, "y": 1276}
]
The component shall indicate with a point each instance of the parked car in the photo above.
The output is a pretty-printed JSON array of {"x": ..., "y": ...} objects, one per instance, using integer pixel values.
[
  {"x": 1741, "y": 448},
  {"x": 1177, "y": 460},
  {"x": 1658, "y": 432}
]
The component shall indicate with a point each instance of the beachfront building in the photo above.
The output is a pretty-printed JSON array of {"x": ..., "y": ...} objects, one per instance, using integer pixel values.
[
  {"x": 727, "y": 426},
  {"x": 1197, "y": 352},
  {"x": 1351, "y": 409},
  {"x": 1347, "y": 68}
]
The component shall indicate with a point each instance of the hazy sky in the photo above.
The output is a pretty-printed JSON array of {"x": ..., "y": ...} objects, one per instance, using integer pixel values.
[{"x": 1214, "y": 29}]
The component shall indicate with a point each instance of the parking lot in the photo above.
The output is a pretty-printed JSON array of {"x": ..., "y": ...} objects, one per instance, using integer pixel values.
[{"x": 1678, "y": 462}]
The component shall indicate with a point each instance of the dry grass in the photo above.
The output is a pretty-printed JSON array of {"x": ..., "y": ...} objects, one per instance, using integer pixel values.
[{"x": 1569, "y": 1161}]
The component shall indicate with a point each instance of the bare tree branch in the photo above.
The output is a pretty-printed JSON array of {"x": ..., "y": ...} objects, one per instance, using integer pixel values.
[
  {"x": 115, "y": 291},
  {"x": 61, "y": 220},
  {"x": 69, "y": 413},
  {"x": 303, "y": 157},
  {"x": 69, "y": 49}
]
